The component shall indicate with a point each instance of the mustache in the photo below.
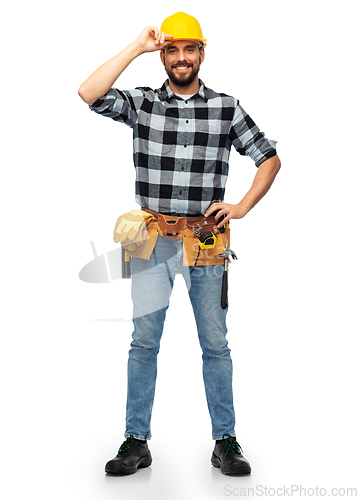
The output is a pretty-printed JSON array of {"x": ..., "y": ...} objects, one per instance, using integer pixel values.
[{"x": 181, "y": 63}]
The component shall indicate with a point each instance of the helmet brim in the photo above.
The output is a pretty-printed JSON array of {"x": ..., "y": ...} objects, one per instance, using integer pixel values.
[{"x": 203, "y": 41}]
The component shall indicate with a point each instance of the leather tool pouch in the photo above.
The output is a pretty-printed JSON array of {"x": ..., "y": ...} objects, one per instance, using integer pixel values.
[
  {"x": 208, "y": 256},
  {"x": 138, "y": 232},
  {"x": 137, "y": 235},
  {"x": 189, "y": 230}
]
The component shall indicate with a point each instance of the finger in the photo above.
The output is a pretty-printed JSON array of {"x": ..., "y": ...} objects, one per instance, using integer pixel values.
[
  {"x": 224, "y": 221},
  {"x": 211, "y": 209},
  {"x": 158, "y": 35},
  {"x": 162, "y": 38},
  {"x": 220, "y": 213},
  {"x": 167, "y": 41},
  {"x": 153, "y": 31}
]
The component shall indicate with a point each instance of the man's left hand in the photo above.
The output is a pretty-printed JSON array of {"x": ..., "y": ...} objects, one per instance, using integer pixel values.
[
  {"x": 264, "y": 177},
  {"x": 230, "y": 212}
]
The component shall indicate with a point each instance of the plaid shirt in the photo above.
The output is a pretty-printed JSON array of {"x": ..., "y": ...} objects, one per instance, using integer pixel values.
[{"x": 181, "y": 147}]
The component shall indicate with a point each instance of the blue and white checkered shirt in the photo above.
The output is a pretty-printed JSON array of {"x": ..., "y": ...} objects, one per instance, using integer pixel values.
[{"x": 181, "y": 147}]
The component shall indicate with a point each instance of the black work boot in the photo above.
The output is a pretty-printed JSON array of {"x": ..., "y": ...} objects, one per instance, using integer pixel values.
[
  {"x": 132, "y": 455},
  {"x": 227, "y": 456}
]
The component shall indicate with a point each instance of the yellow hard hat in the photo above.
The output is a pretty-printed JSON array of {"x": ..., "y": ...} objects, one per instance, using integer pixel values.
[{"x": 183, "y": 27}]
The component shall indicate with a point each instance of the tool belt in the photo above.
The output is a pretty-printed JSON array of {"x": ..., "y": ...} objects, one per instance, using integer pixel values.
[{"x": 138, "y": 232}]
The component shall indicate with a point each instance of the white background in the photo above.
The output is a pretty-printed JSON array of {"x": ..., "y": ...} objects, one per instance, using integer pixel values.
[{"x": 67, "y": 175}]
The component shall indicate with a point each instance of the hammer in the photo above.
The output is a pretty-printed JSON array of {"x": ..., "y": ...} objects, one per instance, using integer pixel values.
[{"x": 226, "y": 254}]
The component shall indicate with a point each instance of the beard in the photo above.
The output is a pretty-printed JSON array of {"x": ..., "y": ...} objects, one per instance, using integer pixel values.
[{"x": 185, "y": 79}]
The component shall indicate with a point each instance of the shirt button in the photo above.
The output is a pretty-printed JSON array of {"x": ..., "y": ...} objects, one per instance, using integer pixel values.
[
  {"x": 187, "y": 121},
  {"x": 185, "y": 145},
  {"x": 180, "y": 192},
  {"x": 186, "y": 102}
]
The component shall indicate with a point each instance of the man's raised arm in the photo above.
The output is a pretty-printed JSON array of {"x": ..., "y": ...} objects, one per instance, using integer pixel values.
[{"x": 99, "y": 83}]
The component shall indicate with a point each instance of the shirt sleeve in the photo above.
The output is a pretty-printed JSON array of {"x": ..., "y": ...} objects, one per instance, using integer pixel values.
[
  {"x": 248, "y": 140},
  {"x": 120, "y": 105}
]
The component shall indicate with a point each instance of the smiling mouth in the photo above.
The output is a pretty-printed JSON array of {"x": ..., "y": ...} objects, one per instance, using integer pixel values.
[{"x": 182, "y": 67}]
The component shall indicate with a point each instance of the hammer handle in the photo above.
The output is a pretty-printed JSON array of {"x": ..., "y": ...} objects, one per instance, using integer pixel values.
[{"x": 224, "y": 291}]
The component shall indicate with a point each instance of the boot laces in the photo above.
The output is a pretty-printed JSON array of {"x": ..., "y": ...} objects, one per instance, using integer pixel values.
[
  {"x": 232, "y": 446},
  {"x": 127, "y": 445}
]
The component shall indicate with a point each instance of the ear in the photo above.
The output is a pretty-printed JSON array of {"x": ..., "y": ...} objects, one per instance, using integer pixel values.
[
  {"x": 202, "y": 54},
  {"x": 162, "y": 56}
]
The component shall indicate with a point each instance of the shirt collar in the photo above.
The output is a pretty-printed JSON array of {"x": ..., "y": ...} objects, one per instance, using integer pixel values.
[{"x": 166, "y": 93}]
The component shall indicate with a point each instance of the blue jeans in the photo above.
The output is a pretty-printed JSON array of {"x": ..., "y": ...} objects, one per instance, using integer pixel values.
[{"x": 152, "y": 284}]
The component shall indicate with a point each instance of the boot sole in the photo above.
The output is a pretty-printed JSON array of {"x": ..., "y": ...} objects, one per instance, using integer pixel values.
[
  {"x": 244, "y": 471},
  {"x": 125, "y": 471}
]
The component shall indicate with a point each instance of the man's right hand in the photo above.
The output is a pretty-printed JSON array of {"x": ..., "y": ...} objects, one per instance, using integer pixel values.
[
  {"x": 103, "y": 78},
  {"x": 152, "y": 39}
]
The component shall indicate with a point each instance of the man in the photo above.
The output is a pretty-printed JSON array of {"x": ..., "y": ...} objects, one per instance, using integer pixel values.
[{"x": 182, "y": 135}]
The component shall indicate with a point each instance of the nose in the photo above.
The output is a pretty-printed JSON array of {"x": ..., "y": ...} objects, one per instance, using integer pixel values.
[{"x": 181, "y": 55}]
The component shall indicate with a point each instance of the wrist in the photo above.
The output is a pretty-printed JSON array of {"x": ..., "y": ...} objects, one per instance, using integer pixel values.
[
  {"x": 242, "y": 208},
  {"x": 135, "y": 49}
]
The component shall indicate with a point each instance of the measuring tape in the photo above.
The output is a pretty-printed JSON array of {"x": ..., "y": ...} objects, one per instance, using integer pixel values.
[{"x": 207, "y": 240}]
